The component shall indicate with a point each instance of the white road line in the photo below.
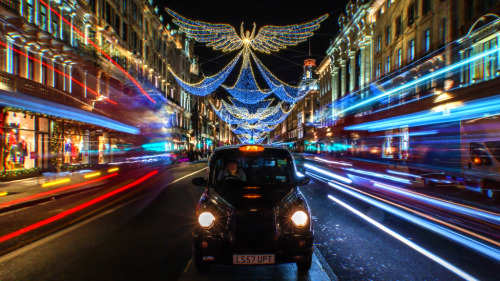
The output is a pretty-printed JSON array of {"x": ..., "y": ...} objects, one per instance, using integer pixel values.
[
  {"x": 181, "y": 178},
  {"x": 412, "y": 245}
]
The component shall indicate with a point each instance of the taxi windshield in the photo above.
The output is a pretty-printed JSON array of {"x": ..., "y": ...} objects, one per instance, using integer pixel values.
[{"x": 261, "y": 170}]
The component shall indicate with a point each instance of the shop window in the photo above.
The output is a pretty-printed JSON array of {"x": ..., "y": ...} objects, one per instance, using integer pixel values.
[
  {"x": 76, "y": 145},
  {"x": 19, "y": 141},
  {"x": 103, "y": 149}
]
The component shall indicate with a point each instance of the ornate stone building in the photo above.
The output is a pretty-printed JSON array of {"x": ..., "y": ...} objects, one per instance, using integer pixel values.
[
  {"x": 100, "y": 70},
  {"x": 393, "y": 57}
]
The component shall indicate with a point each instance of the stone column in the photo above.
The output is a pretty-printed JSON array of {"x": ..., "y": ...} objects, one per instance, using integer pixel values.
[
  {"x": 352, "y": 71},
  {"x": 343, "y": 86},
  {"x": 362, "y": 70},
  {"x": 335, "y": 88}
]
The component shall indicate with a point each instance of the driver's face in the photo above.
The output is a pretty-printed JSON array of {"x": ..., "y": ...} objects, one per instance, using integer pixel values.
[{"x": 232, "y": 168}]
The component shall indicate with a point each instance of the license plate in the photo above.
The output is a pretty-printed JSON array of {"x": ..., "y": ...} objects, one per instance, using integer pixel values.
[{"x": 253, "y": 259}]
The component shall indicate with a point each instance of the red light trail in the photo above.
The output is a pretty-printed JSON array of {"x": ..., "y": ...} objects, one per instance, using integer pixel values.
[
  {"x": 98, "y": 49},
  {"x": 75, "y": 209},
  {"x": 27, "y": 198},
  {"x": 58, "y": 71}
]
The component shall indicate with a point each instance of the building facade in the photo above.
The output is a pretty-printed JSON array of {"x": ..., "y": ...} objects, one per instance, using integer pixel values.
[
  {"x": 75, "y": 74},
  {"x": 396, "y": 57},
  {"x": 297, "y": 130}
]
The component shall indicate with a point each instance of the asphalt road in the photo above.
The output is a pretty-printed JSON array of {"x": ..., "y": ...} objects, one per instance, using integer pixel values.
[{"x": 144, "y": 234}]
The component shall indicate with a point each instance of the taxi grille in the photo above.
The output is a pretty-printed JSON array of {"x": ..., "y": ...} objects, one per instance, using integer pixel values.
[{"x": 254, "y": 230}]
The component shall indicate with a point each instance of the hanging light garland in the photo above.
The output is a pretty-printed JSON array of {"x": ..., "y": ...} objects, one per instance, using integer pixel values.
[
  {"x": 208, "y": 84},
  {"x": 249, "y": 110}
]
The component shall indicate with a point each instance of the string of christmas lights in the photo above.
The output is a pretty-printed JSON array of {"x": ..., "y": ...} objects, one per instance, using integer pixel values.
[
  {"x": 248, "y": 109},
  {"x": 223, "y": 37},
  {"x": 209, "y": 84},
  {"x": 246, "y": 89}
]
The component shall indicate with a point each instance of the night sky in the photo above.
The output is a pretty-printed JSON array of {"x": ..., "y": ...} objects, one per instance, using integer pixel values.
[{"x": 286, "y": 64}]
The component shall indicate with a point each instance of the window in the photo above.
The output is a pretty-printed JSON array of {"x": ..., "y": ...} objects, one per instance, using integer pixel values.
[
  {"x": 426, "y": 6},
  {"x": 31, "y": 67},
  {"x": 400, "y": 59},
  {"x": 469, "y": 13},
  {"x": 92, "y": 6},
  {"x": 389, "y": 3},
  {"x": 442, "y": 33},
  {"x": 43, "y": 17},
  {"x": 29, "y": 10},
  {"x": 411, "y": 50},
  {"x": 388, "y": 65},
  {"x": 388, "y": 36},
  {"x": 44, "y": 73},
  {"x": 398, "y": 26},
  {"x": 377, "y": 70},
  {"x": 107, "y": 13},
  {"x": 117, "y": 23},
  {"x": 125, "y": 32},
  {"x": 427, "y": 40},
  {"x": 16, "y": 63},
  {"x": 491, "y": 61},
  {"x": 411, "y": 14},
  {"x": 55, "y": 77},
  {"x": 379, "y": 43}
]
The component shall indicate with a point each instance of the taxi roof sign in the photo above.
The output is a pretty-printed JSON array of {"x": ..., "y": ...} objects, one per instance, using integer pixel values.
[{"x": 251, "y": 148}]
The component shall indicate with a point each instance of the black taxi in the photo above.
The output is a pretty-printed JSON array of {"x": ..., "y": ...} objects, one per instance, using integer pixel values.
[{"x": 252, "y": 212}]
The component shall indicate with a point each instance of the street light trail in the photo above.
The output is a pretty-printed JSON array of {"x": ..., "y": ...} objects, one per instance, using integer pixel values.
[
  {"x": 75, "y": 209},
  {"x": 459, "y": 208},
  {"x": 38, "y": 195},
  {"x": 330, "y": 174},
  {"x": 409, "y": 243},
  {"x": 486, "y": 250}
]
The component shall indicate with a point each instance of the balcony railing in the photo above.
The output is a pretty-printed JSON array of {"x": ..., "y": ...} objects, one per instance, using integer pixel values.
[{"x": 22, "y": 85}]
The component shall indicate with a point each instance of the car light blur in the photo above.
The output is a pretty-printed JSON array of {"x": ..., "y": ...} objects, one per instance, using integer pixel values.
[
  {"x": 206, "y": 219},
  {"x": 299, "y": 218}
]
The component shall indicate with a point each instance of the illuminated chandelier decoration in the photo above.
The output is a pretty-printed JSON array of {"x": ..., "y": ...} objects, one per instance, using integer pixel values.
[{"x": 249, "y": 109}]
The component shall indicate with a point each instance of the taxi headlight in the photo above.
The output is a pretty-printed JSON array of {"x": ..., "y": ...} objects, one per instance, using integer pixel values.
[
  {"x": 206, "y": 219},
  {"x": 299, "y": 218}
]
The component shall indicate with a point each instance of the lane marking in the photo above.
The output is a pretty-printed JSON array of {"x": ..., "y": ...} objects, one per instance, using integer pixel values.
[
  {"x": 181, "y": 178},
  {"x": 409, "y": 243},
  {"x": 188, "y": 265}
]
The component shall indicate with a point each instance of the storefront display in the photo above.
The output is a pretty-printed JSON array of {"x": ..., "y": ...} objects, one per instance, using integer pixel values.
[
  {"x": 74, "y": 144},
  {"x": 34, "y": 143},
  {"x": 19, "y": 141}
]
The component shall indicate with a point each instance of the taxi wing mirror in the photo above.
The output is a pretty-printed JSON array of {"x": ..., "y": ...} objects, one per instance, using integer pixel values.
[
  {"x": 303, "y": 180},
  {"x": 199, "y": 181}
]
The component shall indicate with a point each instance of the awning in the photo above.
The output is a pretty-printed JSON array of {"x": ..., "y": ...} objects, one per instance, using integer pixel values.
[{"x": 30, "y": 103}]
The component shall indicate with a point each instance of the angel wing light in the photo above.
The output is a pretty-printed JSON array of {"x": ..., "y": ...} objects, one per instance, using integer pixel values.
[
  {"x": 223, "y": 37},
  {"x": 248, "y": 110}
]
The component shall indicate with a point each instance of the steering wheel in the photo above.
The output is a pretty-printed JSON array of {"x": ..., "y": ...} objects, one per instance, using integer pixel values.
[{"x": 231, "y": 177}]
